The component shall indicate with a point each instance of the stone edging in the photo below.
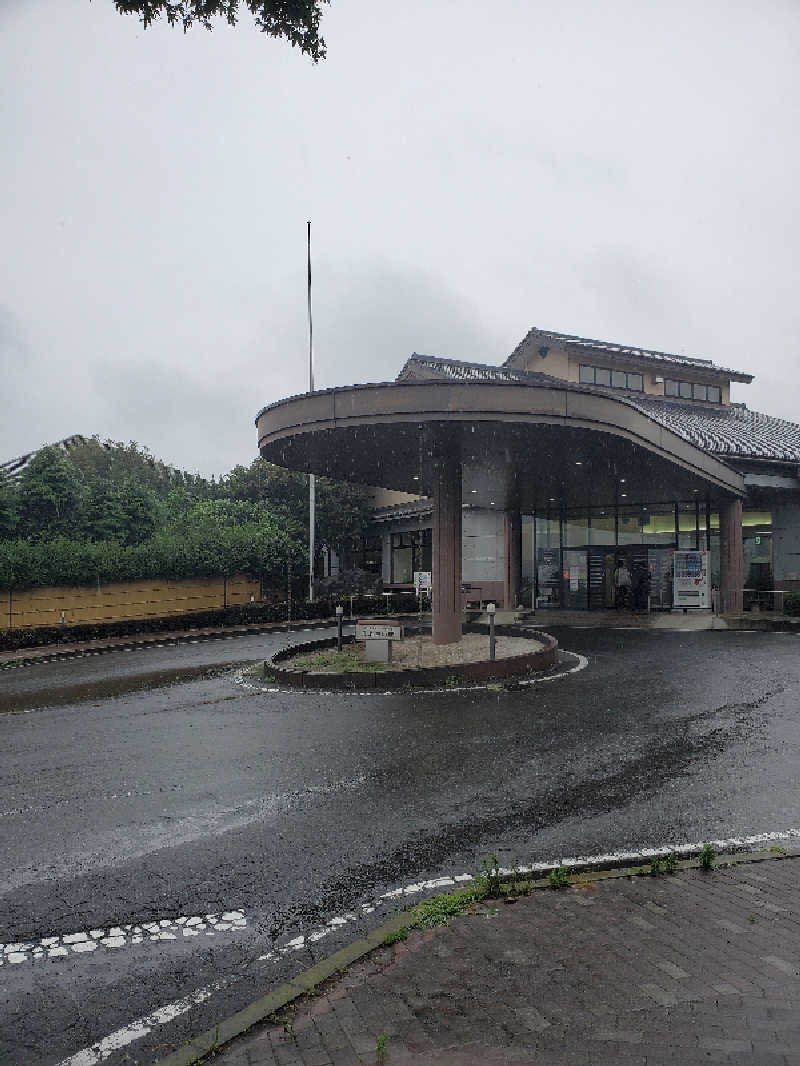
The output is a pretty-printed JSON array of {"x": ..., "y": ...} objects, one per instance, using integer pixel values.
[
  {"x": 195, "y": 1050},
  {"x": 426, "y": 677}
]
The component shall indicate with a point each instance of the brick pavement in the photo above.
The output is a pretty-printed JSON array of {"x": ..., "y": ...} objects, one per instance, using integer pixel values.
[{"x": 688, "y": 968}]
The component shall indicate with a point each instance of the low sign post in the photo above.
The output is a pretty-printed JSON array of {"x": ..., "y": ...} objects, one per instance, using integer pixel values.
[
  {"x": 490, "y": 610},
  {"x": 422, "y": 587},
  {"x": 378, "y": 636}
]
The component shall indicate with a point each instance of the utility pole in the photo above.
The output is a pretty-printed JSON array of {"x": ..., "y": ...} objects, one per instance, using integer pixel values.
[{"x": 312, "y": 488}]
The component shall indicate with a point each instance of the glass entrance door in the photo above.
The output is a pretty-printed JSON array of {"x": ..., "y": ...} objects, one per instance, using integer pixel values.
[{"x": 576, "y": 579}]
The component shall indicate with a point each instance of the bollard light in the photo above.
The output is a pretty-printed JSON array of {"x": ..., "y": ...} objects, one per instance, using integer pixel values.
[
  {"x": 490, "y": 610},
  {"x": 339, "y": 618}
]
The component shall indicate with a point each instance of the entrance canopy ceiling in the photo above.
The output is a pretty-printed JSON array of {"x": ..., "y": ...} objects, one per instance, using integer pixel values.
[{"x": 553, "y": 446}]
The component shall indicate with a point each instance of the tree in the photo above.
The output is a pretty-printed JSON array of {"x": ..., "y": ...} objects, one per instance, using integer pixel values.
[
  {"x": 296, "y": 21},
  {"x": 51, "y": 496},
  {"x": 342, "y": 509},
  {"x": 8, "y": 510},
  {"x": 121, "y": 511}
]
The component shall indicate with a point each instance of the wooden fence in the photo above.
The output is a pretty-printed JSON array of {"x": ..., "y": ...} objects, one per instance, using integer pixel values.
[{"x": 122, "y": 601}]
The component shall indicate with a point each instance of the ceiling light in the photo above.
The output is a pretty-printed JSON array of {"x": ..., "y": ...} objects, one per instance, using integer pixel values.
[
  {"x": 624, "y": 495},
  {"x": 622, "y": 481},
  {"x": 415, "y": 477},
  {"x": 491, "y": 503},
  {"x": 579, "y": 462},
  {"x": 473, "y": 490}
]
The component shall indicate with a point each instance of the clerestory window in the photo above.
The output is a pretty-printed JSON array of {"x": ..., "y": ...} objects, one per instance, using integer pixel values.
[
  {"x": 690, "y": 390},
  {"x": 615, "y": 379}
]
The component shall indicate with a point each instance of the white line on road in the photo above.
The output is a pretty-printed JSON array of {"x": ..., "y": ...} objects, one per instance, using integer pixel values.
[
  {"x": 122, "y": 936},
  {"x": 141, "y": 1027}
]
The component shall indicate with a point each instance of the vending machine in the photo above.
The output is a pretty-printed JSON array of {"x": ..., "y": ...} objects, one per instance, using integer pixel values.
[{"x": 691, "y": 585}]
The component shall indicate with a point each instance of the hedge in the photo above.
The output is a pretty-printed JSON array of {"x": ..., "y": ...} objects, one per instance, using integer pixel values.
[{"x": 244, "y": 614}]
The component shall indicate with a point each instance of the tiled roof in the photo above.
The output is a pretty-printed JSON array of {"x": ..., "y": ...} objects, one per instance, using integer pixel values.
[
  {"x": 426, "y": 367},
  {"x": 731, "y": 430},
  {"x": 567, "y": 340}
]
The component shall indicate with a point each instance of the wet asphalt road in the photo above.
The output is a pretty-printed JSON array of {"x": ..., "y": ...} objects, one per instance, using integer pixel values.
[{"x": 123, "y": 805}]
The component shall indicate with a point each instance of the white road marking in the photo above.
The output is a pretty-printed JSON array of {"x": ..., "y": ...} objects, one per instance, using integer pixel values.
[
  {"x": 247, "y": 682},
  {"x": 53, "y": 947},
  {"x": 141, "y": 1027},
  {"x": 418, "y": 887}
]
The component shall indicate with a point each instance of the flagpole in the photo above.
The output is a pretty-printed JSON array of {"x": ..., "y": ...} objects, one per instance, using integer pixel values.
[{"x": 311, "y": 479}]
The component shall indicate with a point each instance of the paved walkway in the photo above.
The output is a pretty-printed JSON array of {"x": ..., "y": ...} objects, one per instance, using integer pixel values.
[{"x": 689, "y": 968}]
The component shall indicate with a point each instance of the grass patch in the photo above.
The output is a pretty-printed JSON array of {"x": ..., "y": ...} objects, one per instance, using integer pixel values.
[
  {"x": 350, "y": 660},
  {"x": 558, "y": 878},
  {"x": 396, "y": 937},
  {"x": 440, "y": 909}
]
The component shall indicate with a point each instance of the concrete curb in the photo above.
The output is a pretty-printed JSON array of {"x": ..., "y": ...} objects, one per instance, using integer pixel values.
[
  {"x": 506, "y": 668},
  {"x": 213, "y": 1040},
  {"x": 34, "y": 656}
]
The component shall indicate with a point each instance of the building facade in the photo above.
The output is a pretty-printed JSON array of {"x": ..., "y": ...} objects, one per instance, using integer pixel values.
[
  {"x": 547, "y": 480},
  {"x": 570, "y": 552}
]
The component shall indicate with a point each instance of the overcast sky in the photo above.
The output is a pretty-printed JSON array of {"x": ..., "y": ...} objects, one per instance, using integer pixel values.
[{"x": 624, "y": 170}]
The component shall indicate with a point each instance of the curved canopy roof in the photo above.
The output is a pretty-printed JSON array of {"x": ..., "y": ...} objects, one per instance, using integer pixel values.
[{"x": 554, "y": 440}]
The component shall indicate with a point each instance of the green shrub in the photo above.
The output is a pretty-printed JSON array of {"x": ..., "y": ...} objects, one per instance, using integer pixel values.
[
  {"x": 791, "y": 603},
  {"x": 706, "y": 857},
  {"x": 558, "y": 878}
]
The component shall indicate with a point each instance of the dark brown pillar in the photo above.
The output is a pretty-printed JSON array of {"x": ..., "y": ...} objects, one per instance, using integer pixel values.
[
  {"x": 731, "y": 557},
  {"x": 512, "y": 528},
  {"x": 446, "y": 577}
]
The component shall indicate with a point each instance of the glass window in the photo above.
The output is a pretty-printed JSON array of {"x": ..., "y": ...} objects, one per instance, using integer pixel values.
[
  {"x": 619, "y": 379},
  {"x": 548, "y": 561},
  {"x": 602, "y": 530},
  {"x": 685, "y": 389},
  {"x": 635, "y": 382},
  {"x": 630, "y": 525},
  {"x": 658, "y": 524},
  {"x": 576, "y": 531},
  {"x": 714, "y": 394},
  {"x": 402, "y": 566},
  {"x": 687, "y": 518},
  {"x": 602, "y": 376},
  {"x": 659, "y": 563},
  {"x": 670, "y": 388},
  {"x": 700, "y": 392},
  {"x": 587, "y": 375},
  {"x": 548, "y": 532},
  {"x": 688, "y": 533}
]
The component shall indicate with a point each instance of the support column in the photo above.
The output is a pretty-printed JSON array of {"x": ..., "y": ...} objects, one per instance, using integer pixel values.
[
  {"x": 446, "y": 577},
  {"x": 731, "y": 557},
  {"x": 512, "y": 530}
]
